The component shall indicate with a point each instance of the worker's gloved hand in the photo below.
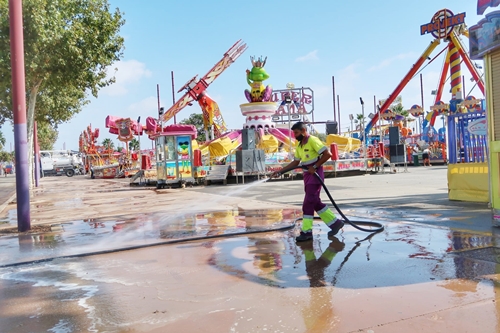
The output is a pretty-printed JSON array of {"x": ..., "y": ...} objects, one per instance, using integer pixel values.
[{"x": 276, "y": 174}]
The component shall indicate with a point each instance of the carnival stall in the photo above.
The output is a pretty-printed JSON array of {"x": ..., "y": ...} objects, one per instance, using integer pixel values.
[{"x": 174, "y": 155}]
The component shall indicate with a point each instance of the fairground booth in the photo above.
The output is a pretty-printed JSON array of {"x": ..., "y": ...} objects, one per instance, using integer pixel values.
[
  {"x": 174, "y": 155},
  {"x": 485, "y": 45}
]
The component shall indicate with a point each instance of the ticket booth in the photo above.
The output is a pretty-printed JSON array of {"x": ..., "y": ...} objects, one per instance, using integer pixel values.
[
  {"x": 484, "y": 45},
  {"x": 174, "y": 155}
]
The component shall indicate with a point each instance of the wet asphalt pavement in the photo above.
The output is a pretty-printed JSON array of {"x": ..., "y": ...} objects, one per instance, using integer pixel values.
[{"x": 433, "y": 269}]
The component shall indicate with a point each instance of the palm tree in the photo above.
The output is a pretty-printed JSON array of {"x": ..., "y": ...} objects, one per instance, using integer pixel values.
[
  {"x": 133, "y": 144},
  {"x": 399, "y": 110},
  {"x": 360, "y": 118},
  {"x": 108, "y": 144}
]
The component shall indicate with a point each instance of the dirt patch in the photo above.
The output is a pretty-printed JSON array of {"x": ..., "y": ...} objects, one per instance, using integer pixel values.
[{"x": 34, "y": 229}]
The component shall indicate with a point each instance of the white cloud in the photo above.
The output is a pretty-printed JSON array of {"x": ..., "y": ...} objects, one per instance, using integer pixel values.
[
  {"x": 217, "y": 98},
  {"x": 347, "y": 78},
  {"x": 321, "y": 90},
  {"x": 387, "y": 62},
  {"x": 126, "y": 73},
  {"x": 148, "y": 105},
  {"x": 313, "y": 55}
]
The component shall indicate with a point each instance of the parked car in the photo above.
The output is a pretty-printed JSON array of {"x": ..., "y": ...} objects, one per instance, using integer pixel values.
[{"x": 9, "y": 169}]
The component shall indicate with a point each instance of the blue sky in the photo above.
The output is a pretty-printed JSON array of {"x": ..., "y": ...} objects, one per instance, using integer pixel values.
[{"x": 367, "y": 45}]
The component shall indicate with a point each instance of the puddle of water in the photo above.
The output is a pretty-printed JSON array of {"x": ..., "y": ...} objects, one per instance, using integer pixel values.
[
  {"x": 402, "y": 255},
  {"x": 410, "y": 254},
  {"x": 11, "y": 217},
  {"x": 93, "y": 235}
]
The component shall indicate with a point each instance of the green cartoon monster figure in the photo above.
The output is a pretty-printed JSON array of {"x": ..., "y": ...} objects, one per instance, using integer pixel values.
[
  {"x": 255, "y": 77},
  {"x": 183, "y": 152}
]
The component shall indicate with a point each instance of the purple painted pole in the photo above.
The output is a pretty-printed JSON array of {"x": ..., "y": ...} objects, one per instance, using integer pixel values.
[{"x": 19, "y": 111}]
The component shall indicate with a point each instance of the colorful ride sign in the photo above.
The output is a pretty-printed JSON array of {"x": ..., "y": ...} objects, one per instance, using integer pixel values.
[
  {"x": 482, "y": 5},
  {"x": 442, "y": 24},
  {"x": 125, "y": 133},
  {"x": 302, "y": 98},
  {"x": 485, "y": 36},
  {"x": 478, "y": 127}
]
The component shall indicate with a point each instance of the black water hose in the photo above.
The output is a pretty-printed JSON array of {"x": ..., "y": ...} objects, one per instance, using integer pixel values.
[
  {"x": 282, "y": 227},
  {"x": 356, "y": 224},
  {"x": 376, "y": 227}
]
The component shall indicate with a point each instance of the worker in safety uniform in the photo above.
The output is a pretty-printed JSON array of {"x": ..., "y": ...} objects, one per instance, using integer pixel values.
[{"x": 311, "y": 153}]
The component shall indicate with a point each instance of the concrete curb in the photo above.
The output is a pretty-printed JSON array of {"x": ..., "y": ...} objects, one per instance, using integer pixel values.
[{"x": 8, "y": 201}]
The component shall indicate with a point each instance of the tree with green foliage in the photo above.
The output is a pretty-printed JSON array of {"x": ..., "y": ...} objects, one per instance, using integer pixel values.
[
  {"x": 108, "y": 144},
  {"x": 47, "y": 136},
  {"x": 361, "y": 120},
  {"x": 196, "y": 119},
  {"x": 5, "y": 156},
  {"x": 321, "y": 136},
  {"x": 133, "y": 144},
  {"x": 2, "y": 140},
  {"x": 398, "y": 109},
  {"x": 68, "y": 47}
]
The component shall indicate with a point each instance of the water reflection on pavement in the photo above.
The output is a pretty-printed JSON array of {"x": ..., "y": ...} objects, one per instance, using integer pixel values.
[{"x": 261, "y": 282}]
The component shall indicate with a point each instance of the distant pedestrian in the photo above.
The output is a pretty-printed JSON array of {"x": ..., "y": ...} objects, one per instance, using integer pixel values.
[{"x": 426, "y": 154}]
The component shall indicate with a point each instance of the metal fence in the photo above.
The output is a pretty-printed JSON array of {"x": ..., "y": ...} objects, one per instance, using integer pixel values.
[{"x": 467, "y": 140}]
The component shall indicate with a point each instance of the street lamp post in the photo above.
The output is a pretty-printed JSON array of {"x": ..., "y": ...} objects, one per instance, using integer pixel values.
[
  {"x": 363, "y": 126},
  {"x": 351, "y": 118},
  {"x": 379, "y": 124},
  {"x": 363, "y": 120}
]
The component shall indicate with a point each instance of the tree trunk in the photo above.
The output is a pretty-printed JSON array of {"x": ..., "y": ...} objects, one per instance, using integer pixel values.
[{"x": 31, "y": 127}]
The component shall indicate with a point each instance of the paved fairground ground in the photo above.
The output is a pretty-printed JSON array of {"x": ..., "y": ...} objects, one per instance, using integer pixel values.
[{"x": 106, "y": 257}]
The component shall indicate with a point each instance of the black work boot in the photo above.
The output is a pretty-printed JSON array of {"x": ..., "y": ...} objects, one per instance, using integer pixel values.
[
  {"x": 304, "y": 236},
  {"x": 339, "y": 224}
]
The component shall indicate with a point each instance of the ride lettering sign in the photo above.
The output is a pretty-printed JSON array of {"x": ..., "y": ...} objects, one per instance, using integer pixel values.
[
  {"x": 477, "y": 127},
  {"x": 442, "y": 23},
  {"x": 328, "y": 167},
  {"x": 349, "y": 165},
  {"x": 302, "y": 101}
]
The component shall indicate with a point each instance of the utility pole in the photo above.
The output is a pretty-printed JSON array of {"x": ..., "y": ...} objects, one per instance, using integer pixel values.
[
  {"x": 173, "y": 94},
  {"x": 363, "y": 127},
  {"x": 338, "y": 118},
  {"x": 362, "y": 124},
  {"x": 334, "y": 107},
  {"x": 420, "y": 122},
  {"x": 19, "y": 110}
]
